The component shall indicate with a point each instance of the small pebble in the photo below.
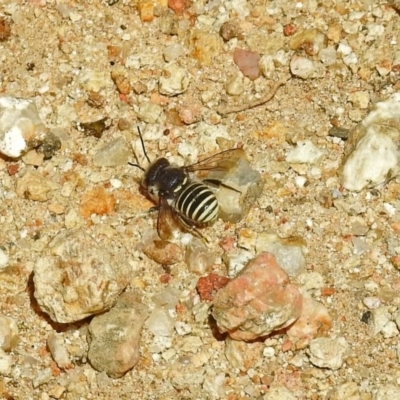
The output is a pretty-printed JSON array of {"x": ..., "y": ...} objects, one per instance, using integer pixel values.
[
  {"x": 149, "y": 112},
  {"x": 328, "y": 353},
  {"x": 305, "y": 68},
  {"x": 289, "y": 252},
  {"x": 8, "y": 333},
  {"x": 379, "y": 318},
  {"x": 160, "y": 323},
  {"x": 390, "y": 330},
  {"x": 309, "y": 40},
  {"x": 6, "y": 363},
  {"x": 305, "y": 152},
  {"x": 4, "y": 259},
  {"x": 247, "y": 61},
  {"x": 114, "y": 153},
  {"x": 235, "y": 86},
  {"x": 173, "y": 51},
  {"x": 174, "y": 80},
  {"x": 230, "y": 30},
  {"x": 372, "y": 302},
  {"x": 58, "y": 351}
]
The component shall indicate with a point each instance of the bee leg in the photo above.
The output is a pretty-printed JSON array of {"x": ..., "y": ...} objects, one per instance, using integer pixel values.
[
  {"x": 192, "y": 230},
  {"x": 217, "y": 182},
  {"x": 153, "y": 209}
]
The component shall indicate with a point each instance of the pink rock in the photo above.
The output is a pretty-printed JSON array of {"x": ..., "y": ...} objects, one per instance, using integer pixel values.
[
  {"x": 258, "y": 301},
  {"x": 313, "y": 321},
  {"x": 247, "y": 62}
]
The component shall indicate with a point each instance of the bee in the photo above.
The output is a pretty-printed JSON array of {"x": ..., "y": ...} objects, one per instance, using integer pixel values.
[{"x": 181, "y": 199}]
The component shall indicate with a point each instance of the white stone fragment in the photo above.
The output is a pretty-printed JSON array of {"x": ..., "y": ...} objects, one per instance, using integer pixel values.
[
  {"x": 279, "y": 393},
  {"x": 328, "y": 353},
  {"x": 4, "y": 259},
  {"x": 236, "y": 261},
  {"x": 6, "y": 363},
  {"x": 235, "y": 85},
  {"x": 390, "y": 330},
  {"x": 20, "y": 126},
  {"x": 267, "y": 66},
  {"x": 344, "y": 49},
  {"x": 160, "y": 323},
  {"x": 386, "y": 392},
  {"x": 289, "y": 253},
  {"x": 305, "y": 68},
  {"x": 58, "y": 351},
  {"x": 182, "y": 328},
  {"x": 174, "y": 80},
  {"x": 305, "y": 153},
  {"x": 372, "y": 153},
  {"x": 372, "y": 302},
  {"x": 380, "y": 317},
  {"x": 8, "y": 333},
  {"x": 173, "y": 51},
  {"x": 327, "y": 56},
  {"x": 93, "y": 80},
  {"x": 300, "y": 181}
]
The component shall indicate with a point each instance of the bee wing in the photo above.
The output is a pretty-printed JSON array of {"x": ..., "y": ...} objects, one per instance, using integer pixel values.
[
  {"x": 165, "y": 219},
  {"x": 222, "y": 161}
]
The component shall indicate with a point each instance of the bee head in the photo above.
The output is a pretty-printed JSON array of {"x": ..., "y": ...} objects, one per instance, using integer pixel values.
[
  {"x": 152, "y": 175},
  {"x": 163, "y": 179}
]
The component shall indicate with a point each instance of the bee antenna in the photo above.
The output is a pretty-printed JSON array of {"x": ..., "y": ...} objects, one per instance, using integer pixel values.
[
  {"x": 144, "y": 149},
  {"x": 137, "y": 166}
]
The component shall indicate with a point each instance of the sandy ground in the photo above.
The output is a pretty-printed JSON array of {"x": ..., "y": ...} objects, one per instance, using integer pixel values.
[{"x": 63, "y": 54}]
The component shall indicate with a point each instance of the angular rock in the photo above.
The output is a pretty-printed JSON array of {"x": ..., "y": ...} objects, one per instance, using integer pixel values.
[
  {"x": 174, "y": 80},
  {"x": 160, "y": 323},
  {"x": 34, "y": 186},
  {"x": 313, "y": 321},
  {"x": 348, "y": 391},
  {"x": 8, "y": 333},
  {"x": 114, "y": 336},
  {"x": 386, "y": 392},
  {"x": 258, "y": 301},
  {"x": 21, "y": 128},
  {"x": 208, "y": 285},
  {"x": 372, "y": 151},
  {"x": 305, "y": 152},
  {"x": 161, "y": 251},
  {"x": 247, "y": 62},
  {"x": 305, "y": 68},
  {"x": 328, "y": 353},
  {"x": 58, "y": 351},
  {"x": 150, "y": 112},
  {"x": 243, "y": 355},
  {"x": 289, "y": 252},
  {"x": 309, "y": 40},
  {"x": 279, "y": 393},
  {"x": 241, "y": 187},
  {"x": 6, "y": 363},
  {"x": 115, "y": 153},
  {"x": 198, "y": 257},
  {"x": 78, "y": 278}
]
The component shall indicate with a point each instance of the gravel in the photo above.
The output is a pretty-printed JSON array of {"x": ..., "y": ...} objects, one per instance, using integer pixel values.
[{"x": 304, "y": 76}]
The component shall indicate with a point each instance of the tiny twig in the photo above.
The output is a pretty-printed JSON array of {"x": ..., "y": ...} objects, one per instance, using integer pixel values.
[{"x": 226, "y": 109}]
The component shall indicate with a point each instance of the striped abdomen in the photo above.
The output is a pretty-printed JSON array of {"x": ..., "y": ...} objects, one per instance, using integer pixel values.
[{"x": 197, "y": 203}]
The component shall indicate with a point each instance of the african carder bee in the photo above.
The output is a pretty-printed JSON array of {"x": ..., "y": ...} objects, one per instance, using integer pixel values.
[{"x": 179, "y": 198}]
